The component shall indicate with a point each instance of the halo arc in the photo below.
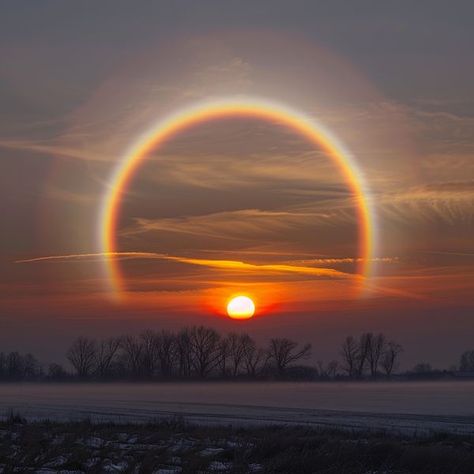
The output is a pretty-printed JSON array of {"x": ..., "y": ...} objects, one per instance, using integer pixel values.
[{"x": 268, "y": 111}]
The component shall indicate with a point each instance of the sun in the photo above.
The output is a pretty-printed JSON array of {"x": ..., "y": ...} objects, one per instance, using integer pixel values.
[{"x": 240, "y": 307}]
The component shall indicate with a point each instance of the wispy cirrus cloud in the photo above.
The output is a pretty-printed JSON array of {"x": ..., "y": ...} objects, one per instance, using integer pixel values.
[
  {"x": 243, "y": 224},
  {"x": 54, "y": 149},
  {"x": 299, "y": 167},
  {"x": 233, "y": 265},
  {"x": 449, "y": 201}
]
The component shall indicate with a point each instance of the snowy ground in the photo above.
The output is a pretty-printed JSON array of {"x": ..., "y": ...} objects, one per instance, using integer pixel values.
[
  {"x": 407, "y": 408},
  {"x": 178, "y": 448}
]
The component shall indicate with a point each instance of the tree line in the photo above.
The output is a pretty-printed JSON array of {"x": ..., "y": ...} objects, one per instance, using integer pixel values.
[
  {"x": 202, "y": 353},
  {"x": 196, "y": 352},
  {"x": 370, "y": 352},
  {"x": 16, "y": 366}
]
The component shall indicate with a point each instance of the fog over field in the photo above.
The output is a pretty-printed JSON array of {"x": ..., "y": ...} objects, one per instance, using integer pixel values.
[{"x": 413, "y": 407}]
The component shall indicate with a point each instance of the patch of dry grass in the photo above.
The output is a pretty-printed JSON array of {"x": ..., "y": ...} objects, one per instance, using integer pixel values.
[{"x": 174, "y": 447}]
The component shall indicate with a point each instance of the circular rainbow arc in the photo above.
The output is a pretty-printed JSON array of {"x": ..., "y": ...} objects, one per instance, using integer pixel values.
[{"x": 250, "y": 108}]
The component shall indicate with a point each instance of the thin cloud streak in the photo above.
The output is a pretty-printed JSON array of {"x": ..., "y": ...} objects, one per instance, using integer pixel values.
[
  {"x": 67, "y": 152},
  {"x": 210, "y": 263},
  {"x": 246, "y": 224},
  {"x": 348, "y": 260}
]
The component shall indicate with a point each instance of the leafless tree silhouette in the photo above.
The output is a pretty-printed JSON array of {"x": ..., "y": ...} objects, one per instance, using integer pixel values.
[
  {"x": 14, "y": 364},
  {"x": 375, "y": 349},
  {"x": 167, "y": 351},
  {"x": 184, "y": 352},
  {"x": 363, "y": 351},
  {"x": 148, "y": 360},
  {"x": 282, "y": 352},
  {"x": 224, "y": 356},
  {"x": 254, "y": 357},
  {"x": 238, "y": 344},
  {"x": 205, "y": 349},
  {"x": 389, "y": 360},
  {"x": 132, "y": 351},
  {"x": 329, "y": 370},
  {"x": 350, "y": 355},
  {"x": 82, "y": 356},
  {"x": 466, "y": 363},
  {"x": 107, "y": 349}
]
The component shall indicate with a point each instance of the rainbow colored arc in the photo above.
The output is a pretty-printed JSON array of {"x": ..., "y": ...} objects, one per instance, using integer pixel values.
[{"x": 246, "y": 108}]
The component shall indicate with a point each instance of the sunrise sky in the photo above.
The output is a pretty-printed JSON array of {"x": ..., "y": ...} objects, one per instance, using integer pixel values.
[{"x": 238, "y": 203}]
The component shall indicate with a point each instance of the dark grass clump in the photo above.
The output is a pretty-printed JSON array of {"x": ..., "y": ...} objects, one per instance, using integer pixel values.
[
  {"x": 285, "y": 450},
  {"x": 15, "y": 418},
  {"x": 179, "y": 447}
]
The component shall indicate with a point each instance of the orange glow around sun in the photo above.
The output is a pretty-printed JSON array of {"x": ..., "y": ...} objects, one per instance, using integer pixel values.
[{"x": 240, "y": 307}]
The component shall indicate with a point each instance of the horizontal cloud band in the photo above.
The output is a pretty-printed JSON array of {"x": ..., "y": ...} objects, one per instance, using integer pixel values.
[{"x": 210, "y": 263}]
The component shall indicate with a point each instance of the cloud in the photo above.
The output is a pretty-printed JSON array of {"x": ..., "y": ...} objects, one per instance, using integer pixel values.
[
  {"x": 450, "y": 202},
  {"x": 233, "y": 265},
  {"x": 243, "y": 224},
  {"x": 54, "y": 149},
  {"x": 347, "y": 260},
  {"x": 297, "y": 168}
]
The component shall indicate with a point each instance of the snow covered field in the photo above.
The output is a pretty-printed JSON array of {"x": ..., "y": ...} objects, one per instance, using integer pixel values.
[{"x": 412, "y": 407}]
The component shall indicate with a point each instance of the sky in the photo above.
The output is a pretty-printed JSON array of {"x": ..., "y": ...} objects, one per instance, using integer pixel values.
[{"x": 239, "y": 204}]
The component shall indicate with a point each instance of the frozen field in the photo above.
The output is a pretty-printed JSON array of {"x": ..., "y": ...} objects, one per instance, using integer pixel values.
[{"x": 414, "y": 407}]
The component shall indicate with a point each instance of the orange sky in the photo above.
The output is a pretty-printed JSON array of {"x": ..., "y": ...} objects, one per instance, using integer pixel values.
[{"x": 238, "y": 205}]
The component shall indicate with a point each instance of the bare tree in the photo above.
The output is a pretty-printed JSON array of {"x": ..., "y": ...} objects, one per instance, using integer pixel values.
[
  {"x": 466, "y": 363},
  {"x": 167, "y": 350},
  {"x": 82, "y": 356},
  {"x": 132, "y": 353},
  {"x": 422, "y": 368},
  {"x": 375, "y": 349},
  {"x": 150, "y": 343},
  {"x": 56, "y": 372},
  {"x": 254, "y": 357},
  {"x": 283, "y": 352},
  {"x": 389, "y": 360},
  {"x": 184, "y": 352},
  {"x": 223, "y": 348},
  {"x": 350, "y": 355},
  {"x": 15, "y": 365},
  {"x": 328, "y": 371},
  {"x": 31, "y": 366},
  {"x": 205, "y": 349},
  {"x": 3, "y": 365},
  {"x": 18, "y": 367},
  {"x": 107, "y": 349},
  {"x": 332, "y": 368},
  {"x": 363, "y": 351},
  {"x": 238, "y": 344}
]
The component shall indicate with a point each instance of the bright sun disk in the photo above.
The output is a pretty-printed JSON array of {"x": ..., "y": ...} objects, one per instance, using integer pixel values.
[{"x": 240, "y": 307}]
